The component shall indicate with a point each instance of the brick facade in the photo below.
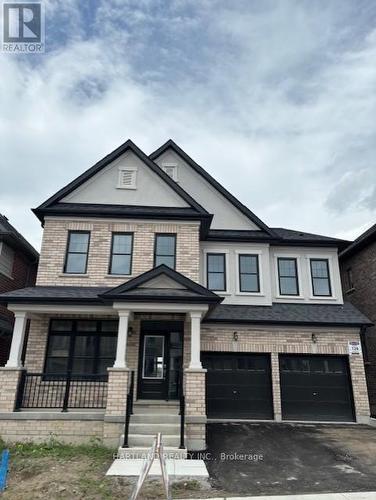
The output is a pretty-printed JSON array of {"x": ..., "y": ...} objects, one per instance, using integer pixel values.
[
  {"x": 277, "y": 340},
  {"x": 362, "y": 295},
  {"x": 51, "y": 265},
  {"x": 23, "y": 274},
  {"x": 219, "y": 338}
]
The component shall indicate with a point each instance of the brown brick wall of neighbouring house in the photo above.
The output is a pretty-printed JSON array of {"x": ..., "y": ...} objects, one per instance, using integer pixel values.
[
  {"x": 23, "y": 275},
  {"x": 363, "y": 296},
  {"x": 51, "y": 266}
]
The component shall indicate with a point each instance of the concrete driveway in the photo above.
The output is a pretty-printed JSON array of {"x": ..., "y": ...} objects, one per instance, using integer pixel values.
[{"x": 277, "y": 459}]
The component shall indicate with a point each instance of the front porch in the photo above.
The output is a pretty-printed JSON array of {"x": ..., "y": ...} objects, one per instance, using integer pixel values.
[{"x": 58, "y": 367}]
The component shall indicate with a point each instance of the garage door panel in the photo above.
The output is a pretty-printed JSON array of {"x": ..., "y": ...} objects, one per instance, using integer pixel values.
[
  {"x": 326, "y": 394},
  {"x": 304, "y": 380},
  {"x": 316, "y": 388},
  {"x": 238, "y": 385}
]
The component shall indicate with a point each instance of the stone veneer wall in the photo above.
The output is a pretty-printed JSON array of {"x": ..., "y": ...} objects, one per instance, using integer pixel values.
[
  {"x": 55, "y": 235},
  {"x": 277, "y": 340}
]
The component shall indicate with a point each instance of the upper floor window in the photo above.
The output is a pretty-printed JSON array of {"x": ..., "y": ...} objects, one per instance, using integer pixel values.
[
  {"x": 216, "y": 271},
  {"x": 288, "y": 276},
  {"x": 165, "y": 250},
  {"x": 6, "y": 259},
  {"x": 249, "y": 275},
  {"x": 320, "y": 277},
  {"x": 121, "y": 253},
  {"x": 77, "y": 252}
]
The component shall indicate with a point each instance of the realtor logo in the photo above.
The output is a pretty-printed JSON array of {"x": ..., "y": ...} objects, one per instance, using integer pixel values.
[{"x": 23, "y": 27}]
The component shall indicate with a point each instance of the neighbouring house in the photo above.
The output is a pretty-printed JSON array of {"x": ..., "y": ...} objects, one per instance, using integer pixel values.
[
  {"x": 358, "y": 270},
  {"x": 18, "y": 269},
  {"x": 163, "y": 301}
]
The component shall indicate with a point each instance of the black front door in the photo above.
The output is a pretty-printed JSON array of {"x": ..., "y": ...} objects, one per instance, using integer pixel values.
[{"x": 161, "y": 357}]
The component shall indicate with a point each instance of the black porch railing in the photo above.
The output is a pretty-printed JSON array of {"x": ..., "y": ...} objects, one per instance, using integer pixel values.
[
  {"x": 65, "y": 391},
  {"x": 182, "y": 411},
  {"x": 128, "y": 411}
]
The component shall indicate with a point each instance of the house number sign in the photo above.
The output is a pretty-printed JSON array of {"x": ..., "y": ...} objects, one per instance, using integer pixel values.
[{"x": 355, "y": 347}]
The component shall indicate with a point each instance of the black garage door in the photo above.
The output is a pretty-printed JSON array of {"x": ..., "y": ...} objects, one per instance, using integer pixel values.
[
  {"x": 238, "y": 385},
  {"x": 316, "y": 388}
]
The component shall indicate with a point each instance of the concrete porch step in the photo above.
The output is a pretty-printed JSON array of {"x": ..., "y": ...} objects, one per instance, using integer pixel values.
[
  {"x": 166, "y": 429},
  {"x": 146, "y": 440},
  {"x": 139, "y": 452},
  {"x": 146, "y": 408},
  {"x": 156, "y": 402},
  {"x": 155, "y": 418}
]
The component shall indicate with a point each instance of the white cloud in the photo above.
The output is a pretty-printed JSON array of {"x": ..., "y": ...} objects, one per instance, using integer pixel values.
[{"x": 276, "y": 100}]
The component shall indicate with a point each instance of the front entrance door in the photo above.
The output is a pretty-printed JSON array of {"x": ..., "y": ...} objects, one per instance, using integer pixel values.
[{"x": 161, "y": 358}]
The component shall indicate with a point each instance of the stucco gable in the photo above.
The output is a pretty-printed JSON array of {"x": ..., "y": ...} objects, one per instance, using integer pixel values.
[{"x": 228, "y": 212}]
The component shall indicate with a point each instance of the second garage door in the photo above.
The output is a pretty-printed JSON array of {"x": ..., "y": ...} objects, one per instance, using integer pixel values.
[
  {"x": 316, "y": 388},
  {"x": 238, "y": 386}
]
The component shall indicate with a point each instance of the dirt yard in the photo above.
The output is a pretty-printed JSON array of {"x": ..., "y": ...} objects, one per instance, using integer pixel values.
[
  {"x": 291, "y": 459},
  {"x": 57, "y": 471}
]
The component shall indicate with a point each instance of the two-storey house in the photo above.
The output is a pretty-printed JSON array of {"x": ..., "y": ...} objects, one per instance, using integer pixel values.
[
  {"x": 18, "y": 269},
  {"x": 358, "y": 270},
  {"x": 158, "y": 291}
]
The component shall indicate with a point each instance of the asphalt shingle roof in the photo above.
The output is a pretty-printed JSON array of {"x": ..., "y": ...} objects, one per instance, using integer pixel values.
[
  {"x": 277, "y": 313},
  {"x": 363, "y": 240},
  {"x": 10, "y": 234},
  {"x": 280, "y": 313}
]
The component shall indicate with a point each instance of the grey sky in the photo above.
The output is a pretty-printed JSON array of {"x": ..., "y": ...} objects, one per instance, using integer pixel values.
[{"x": 276, "y": 99}]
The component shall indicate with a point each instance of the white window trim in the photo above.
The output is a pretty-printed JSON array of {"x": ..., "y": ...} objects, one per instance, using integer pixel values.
[
  {"x": 175, "y": 166},
  {"x": 220, "y": 251},
  {"x": 122, "y": 169},
  {"x": 296, "y": 256},
  {"x": 259, "y": 254},
  {"x": 329, "y": 258}
]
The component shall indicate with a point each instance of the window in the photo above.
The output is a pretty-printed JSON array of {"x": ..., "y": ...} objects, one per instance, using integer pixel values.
[
  {"x": 349, "y": 279},
  {"x": 127, "y": 178},
  {"x": 320, "y": 277},
  {"x": 84, "y": 347},
  {"x": 6, "y": 259},
  {"x": 216, "y": 271},
  {"x": 249, "y": 279},
  {"x": 77, "y": 252},
  {"x": 165, "y": 250},
  {"x": 288, "y": 276},
  {"x": 121, "y": 253}
]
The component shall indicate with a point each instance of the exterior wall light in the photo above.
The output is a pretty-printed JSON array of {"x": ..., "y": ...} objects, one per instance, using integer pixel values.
[
  {"x": 236, "y": 336},
  {"x": 314, "y": 338}
]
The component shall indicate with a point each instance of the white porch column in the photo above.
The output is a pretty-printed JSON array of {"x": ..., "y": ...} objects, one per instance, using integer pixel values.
[
  {"x": 195, "y": 363},
  {"x": 19, "y": 329},
  {"x": 122, "y": 339}
]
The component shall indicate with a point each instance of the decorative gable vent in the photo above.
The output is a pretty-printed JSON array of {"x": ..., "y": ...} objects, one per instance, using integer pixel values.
[
  {"x": 171, "y": 170},
  {"x": 127, "y": 178}
]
